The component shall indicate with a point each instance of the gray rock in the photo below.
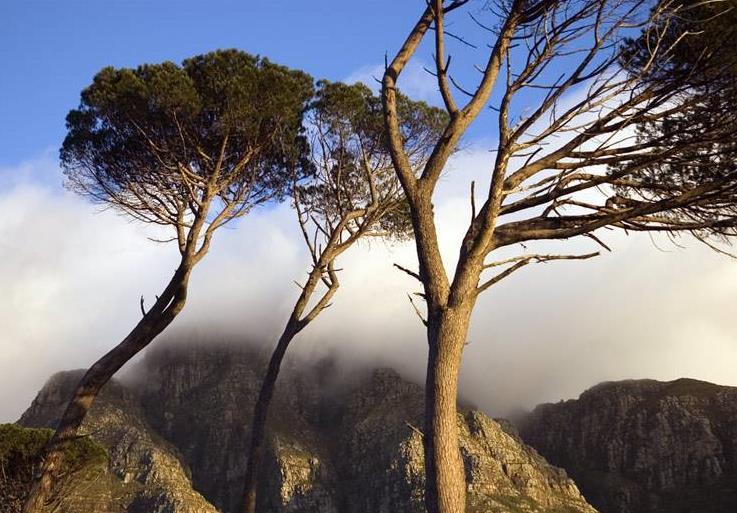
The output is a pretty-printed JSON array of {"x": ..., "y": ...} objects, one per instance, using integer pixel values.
[
  {"x": 645, "y": 446},
  {"x": 352, "y": 448},
  {"x": 146, "y": 474}
]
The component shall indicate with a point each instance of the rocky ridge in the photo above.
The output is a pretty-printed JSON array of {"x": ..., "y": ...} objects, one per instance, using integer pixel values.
[
  {"x": 353, "y": 448},
  {"x": 144, "y": 474},
  {"x": 645, "y": 446}
]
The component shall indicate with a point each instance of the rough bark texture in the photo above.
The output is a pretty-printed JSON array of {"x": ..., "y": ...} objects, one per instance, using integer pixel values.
[
  {"x": 449, "y": 302},
  {"x": 332, "y": 446},
  {"x": 443, "y": 462}
]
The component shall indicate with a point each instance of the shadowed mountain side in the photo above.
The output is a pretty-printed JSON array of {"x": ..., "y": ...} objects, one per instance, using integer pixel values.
[
  {"x": 335, "y": 445},
  {"x": 645, "y": 446}
]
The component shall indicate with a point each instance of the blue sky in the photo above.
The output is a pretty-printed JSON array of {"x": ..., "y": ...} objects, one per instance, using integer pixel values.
[{"x": 51, "y": 49}]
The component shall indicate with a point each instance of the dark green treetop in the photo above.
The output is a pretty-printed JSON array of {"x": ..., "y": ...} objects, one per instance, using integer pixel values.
[
  {"x": 700, "y": 58},
  {"x": 166, "y": 143}
]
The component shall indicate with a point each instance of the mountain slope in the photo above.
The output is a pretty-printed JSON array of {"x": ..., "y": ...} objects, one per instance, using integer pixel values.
[
  {"x": 351, "y": 447},
  {"x": 645, "y": 446},
  {"x": 85, "y": 482},
  {"x": 146, "y": 474},
  {"x": 348, "y": 447}
]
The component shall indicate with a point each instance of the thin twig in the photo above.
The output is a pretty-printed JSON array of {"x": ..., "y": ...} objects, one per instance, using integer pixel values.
[{"x": 415, "y": 275}]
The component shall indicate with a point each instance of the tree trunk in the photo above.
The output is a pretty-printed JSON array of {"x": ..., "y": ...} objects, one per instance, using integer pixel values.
[
  {"x": 258, "y": 429},
  {"x": 445, "y": 488},
  {"x": 166, "y": 308},
  {"x": 295, "y": 324}
]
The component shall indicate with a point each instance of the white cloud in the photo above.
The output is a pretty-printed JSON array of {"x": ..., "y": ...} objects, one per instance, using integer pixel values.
[
  {"x": 62, "y": 298},
  {"x": 71, "y": 278}
]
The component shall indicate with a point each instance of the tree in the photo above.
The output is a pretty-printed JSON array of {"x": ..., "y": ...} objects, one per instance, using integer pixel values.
[
  {"x": 189, "y": 148},
  {"x": 354, "y": 194},
  {"x": 566, "y": 166},
  {"x": 702, "y": 33},
  {"x": 703, "y": 38}
]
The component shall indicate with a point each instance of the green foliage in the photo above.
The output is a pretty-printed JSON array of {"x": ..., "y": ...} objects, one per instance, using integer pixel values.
[
  {"x": 155, "y": 141},
  {"x": 711, "y": 39},
  {"x": 20, "y": 450},
  {"x": 691, "y": 50},
  {"x": 691, "y": 41},
  {"x": 24, "y": 443},
  {"x": 20, "y": 446},
  {"x": 148, "y": 140}
]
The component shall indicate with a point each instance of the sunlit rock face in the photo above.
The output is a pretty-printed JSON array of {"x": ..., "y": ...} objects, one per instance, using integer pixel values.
[
  {"x": 145, "y": 474},
  {"x": 335, "y": 446},
  {"x": 382, "y": 440},
  {"x": 645, "y": 446},
  {"x": 201, "y": 400}
]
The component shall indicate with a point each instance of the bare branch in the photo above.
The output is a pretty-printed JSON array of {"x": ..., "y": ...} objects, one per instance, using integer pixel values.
[
  {"x": 473, "y": 200},
  {"x": 417, "y": 310},
  {"x": 522, "y": 261},
  {"x": 411, "y": 273}
]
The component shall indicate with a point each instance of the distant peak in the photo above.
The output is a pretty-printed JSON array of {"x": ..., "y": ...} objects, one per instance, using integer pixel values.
[{"x": 676, "y": 387}]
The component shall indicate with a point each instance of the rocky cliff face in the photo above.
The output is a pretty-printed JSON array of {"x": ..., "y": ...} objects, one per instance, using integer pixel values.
[
  {"x": 201, "y": 400},
  {"x": 356, "y": 448},
  {"x": 645, "y": 446},
  {"x": 503, "y": 474},
  {"x": 144, "y": 473}
]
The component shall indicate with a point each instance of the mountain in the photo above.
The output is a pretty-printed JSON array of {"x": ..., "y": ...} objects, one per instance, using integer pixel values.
[
  {"x": 144, "y": 473},
  {"x": 645, "y": 446},
  {"x": 176, "y": 437},
  {"x": 85, "y": 482}
]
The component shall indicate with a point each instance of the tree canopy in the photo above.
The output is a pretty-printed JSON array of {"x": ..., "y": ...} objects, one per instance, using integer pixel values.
[
  {"x": 162, "y": 142},
  {"x": 353, "y": 167},
  {"x": 701, "y": 59},
  {"x": 190, "y": 147}
]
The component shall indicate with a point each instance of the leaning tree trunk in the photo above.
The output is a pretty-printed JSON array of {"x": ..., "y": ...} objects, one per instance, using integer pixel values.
[
  {"x": 260, "y": 413},
  {"x": 166, "y": 308},
  {"x": 445, "y": 483},
  {"x": 295, "y": 324}
]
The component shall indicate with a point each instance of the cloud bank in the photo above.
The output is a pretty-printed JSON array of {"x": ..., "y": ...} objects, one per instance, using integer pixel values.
[{"x": 71, "y": 277}]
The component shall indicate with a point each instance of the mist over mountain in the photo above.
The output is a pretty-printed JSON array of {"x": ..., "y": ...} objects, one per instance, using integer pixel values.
[
  {"x": 73, "y": 277},
  {"x": 346, "y": 436},
  {"x": 177, "y": 430}
]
